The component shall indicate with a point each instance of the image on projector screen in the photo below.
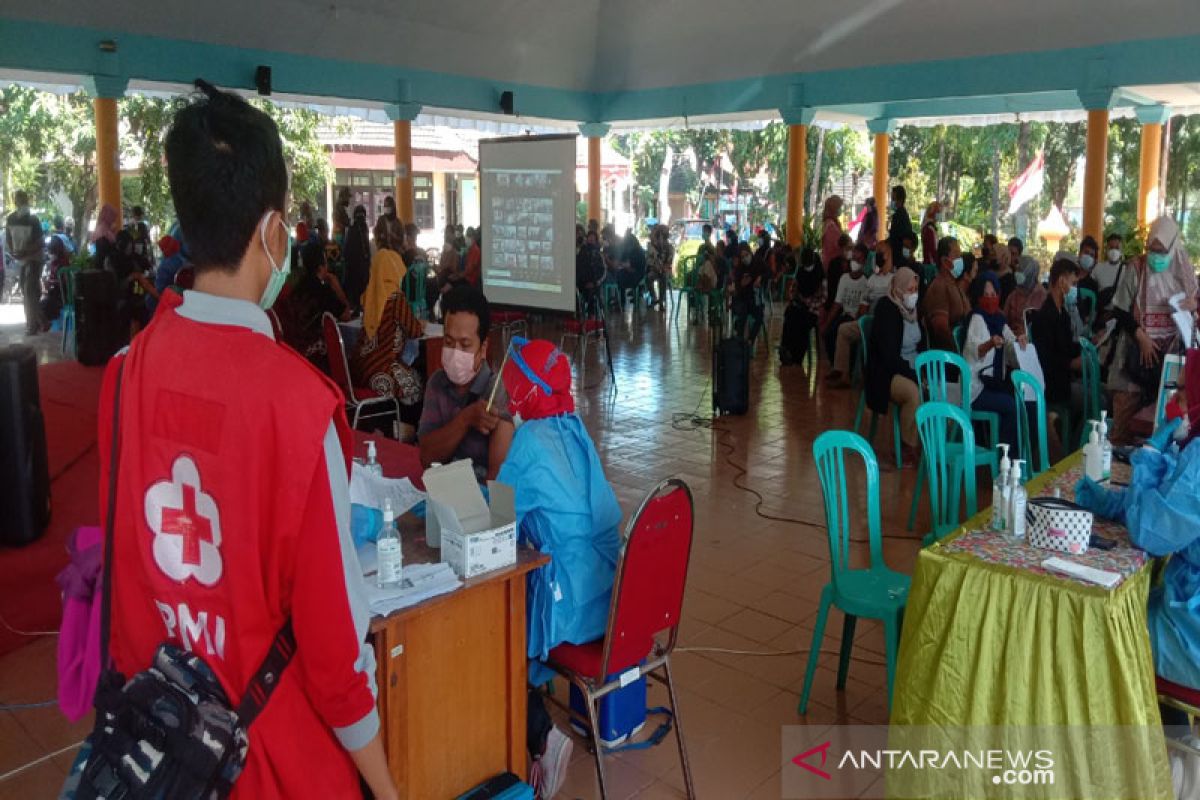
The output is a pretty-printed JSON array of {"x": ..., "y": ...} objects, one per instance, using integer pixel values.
[{"x": 522, "y": 229}]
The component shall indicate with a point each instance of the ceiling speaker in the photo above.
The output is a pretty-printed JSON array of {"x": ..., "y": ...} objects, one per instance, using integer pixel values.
[{"x": 262, "y": 80}]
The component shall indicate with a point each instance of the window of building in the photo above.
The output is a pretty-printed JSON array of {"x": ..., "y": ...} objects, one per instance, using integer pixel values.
[{"x": 423, "y": 199}]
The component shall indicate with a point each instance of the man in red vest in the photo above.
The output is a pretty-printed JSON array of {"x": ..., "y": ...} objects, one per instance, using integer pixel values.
[{"x": 232, "y": 504}]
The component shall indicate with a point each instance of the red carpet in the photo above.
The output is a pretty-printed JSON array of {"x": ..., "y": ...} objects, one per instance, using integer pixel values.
[{"x": 29, "y": 599}]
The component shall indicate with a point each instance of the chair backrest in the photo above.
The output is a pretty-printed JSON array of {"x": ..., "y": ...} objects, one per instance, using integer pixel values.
[
  {"x": 829, "y": 452},
  {"x": 1090, "y": 297},
  {"x": 864, "y": 330},
  {"x": 947, "y": 471},
  {"x": 339, "y": 368},
  {"x": 1028, "y": 323},
  {"x": 1022, "y": 380},
  {"x": 651, "y": 576},
  {"x": 1092, "y": 397},
  {"x": 66, "y": 285},
  {"x": 934, "y": 377},
  {"x": 960, "y": 336}
]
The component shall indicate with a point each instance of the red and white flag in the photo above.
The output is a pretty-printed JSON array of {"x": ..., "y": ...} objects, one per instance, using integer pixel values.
[{"x": 1028, "y": 184}]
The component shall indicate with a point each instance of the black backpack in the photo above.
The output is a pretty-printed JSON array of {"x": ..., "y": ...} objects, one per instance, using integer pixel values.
[{"x": 169, "y": 731}]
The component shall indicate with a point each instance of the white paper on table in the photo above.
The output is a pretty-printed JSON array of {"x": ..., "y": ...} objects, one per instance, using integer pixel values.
[
  {"x": 420, "y": 582},
  {"x": 1027, "y": 360},
  {"x": 1109, "y": 327},
  {"x": 1183, "y": 318},
  {"x": 371, "y": 490}
]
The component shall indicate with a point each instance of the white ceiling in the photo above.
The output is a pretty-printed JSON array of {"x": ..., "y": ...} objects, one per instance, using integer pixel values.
[{"x": 615, "y": 45}]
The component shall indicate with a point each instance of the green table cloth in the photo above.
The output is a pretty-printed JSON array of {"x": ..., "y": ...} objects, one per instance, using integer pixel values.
[{"x": 989, "y": 643}]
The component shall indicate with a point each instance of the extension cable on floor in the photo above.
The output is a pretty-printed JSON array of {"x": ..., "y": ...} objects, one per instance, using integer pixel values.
[{"x": 732, "y": 652}]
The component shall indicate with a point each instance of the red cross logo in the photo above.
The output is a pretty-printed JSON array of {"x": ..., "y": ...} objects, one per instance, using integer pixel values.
[{"x": 186, "y": 524}]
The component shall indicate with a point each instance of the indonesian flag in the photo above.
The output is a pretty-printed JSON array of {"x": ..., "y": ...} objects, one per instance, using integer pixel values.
[
  {"x": 1028, "y": 184},
  {"x": 853, "y": 231}
]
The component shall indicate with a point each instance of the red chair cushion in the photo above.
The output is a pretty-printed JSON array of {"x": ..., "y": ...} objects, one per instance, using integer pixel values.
[
  {"x": 593, "y": 325},
  {"x": 583, "y": 659},
  {"x": 504, "y": 317},
  {"x": 572, "y": 326},
  {"x": 363, "y": 393},
  {"x": 1166, "y": 687}
]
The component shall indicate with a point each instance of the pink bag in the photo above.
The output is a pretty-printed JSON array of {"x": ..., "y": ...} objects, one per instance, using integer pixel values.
[{"x": 79, "y": 637}]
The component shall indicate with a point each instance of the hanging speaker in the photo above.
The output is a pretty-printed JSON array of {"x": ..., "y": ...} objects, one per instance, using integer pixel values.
[
  {"x": 262, "y": 80},
  {"x": 506, "y": 102}
]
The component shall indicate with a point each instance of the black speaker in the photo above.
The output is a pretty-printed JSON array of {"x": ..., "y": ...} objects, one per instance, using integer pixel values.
[
  {"x": 506, "y": 102},
  {"x": 24, "y": 470},
  {"x": 98, "y": 330},
  {"x": 262, "y": 80}
]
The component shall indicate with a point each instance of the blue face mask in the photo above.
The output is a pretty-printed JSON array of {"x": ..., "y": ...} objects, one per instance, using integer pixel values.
[
  {"x": 279, "y": 273},
  {"x": 957, "y": 269},
  {"x": 1158, "y": 261},
  {"x": 1072, "y": 296},
  {"x": 1019, "y": 277},
  {"x": 1087, "y": 262}
]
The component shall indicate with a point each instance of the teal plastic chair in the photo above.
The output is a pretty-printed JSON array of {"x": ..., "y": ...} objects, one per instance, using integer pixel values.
[
  {"x": 1022, "y": 379},
  {"x": 784, "y": 280},
  {"x": 1090, "y": 297},
  {"x": 934, "y": 382},
  {"x": 66, "y": 288},
  {"x": 414, "y": 287},
  {"x": 960, "y": 336},
  {"x": 948, "y": 447},
  {"x": 611, "y": 294},
  {"x": 687, "y": 290},
  {"x": 875, "y": 592},
  {"x": 864, "y": 328},
  {"x": 1093, "y": 399}
]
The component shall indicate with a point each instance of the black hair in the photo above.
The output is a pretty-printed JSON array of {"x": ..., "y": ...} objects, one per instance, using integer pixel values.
[
  {"x": 226, "y": 170},
  {"x": 899, "y": 193},
  {"x": 730, "y": 233},
  {"x": 138, "y": 212},
  {"x": 977, "y": 287},
  {"x": 707, "y": 229},
  {"x": 844, "y": 240},
  {"x": 360, "y": 211},
  {"x": 1114, "y": 235},
  {"x": 312, "y": 255},
  {"x": 944, "y": 245},
  {"x": 1017, "y": 243},
  {"x": 861, "y": 248},
  {"x": 465, "y": 298},
  {"x": 1064, "y": 266},
  {"x": 1089, "y": 241},
  {"x": 21, "y": 197}
]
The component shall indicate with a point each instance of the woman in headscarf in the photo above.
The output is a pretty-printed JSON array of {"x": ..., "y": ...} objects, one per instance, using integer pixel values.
[
  {"x": 1028, "y": 294},
  {"x": 806, "y": 301},
  {"x": 104, "y": 236},
  {"x": 988, "y": 334},
  {"x": 1143, "y": 311},
  {"x": 831, "y": 231},
  {"x": 891, "y": 359},
  {"x": 929, "y": 234},
  {"x": 382, "y": 359},
  {"x": 357, "y": 250},
  {"x": 1005, "y": 271}
]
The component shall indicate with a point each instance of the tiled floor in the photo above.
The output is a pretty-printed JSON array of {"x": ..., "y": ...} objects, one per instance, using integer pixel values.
[{"x": 754, "y": 582}]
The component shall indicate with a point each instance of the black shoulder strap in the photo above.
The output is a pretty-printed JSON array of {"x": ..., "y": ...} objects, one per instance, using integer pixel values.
[{"x": 266, "y": 677}]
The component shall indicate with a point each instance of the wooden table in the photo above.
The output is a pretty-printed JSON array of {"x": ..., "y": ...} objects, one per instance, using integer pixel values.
[{"x": 451, "y": 670}]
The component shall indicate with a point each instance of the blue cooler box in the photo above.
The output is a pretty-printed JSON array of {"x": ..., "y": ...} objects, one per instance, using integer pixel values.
[{"x": 622, "y": 713}]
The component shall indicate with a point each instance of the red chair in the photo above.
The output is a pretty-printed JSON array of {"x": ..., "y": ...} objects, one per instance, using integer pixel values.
[
  {"x": 359, "y": 399},
  {"x": 1185, "y": 699},
  {"x": 647, "y": 601},
  {"x": 509, "y": 322}
]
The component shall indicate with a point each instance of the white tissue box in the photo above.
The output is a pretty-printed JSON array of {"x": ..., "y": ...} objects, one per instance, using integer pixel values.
[{"x": 475, "y": 536}]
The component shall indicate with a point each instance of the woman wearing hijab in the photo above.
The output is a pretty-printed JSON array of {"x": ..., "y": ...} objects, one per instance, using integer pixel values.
[
  {"x": 1027, "y": 295},
  {"x": 357, "y": 250},
  {"x": 988, "y": 334},
  {"x": 892, "y": 356},
  {"x": 566, "y": 509},
  {"x": 831, "y": 231},
  {"x": 382, "y": 359},
  {"x": 1143, "y": 311},
  {"x": 806, "y": 302},
  {"x": 929, "y": 234}
]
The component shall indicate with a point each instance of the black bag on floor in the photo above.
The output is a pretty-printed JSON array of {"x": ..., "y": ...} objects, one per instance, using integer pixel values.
[
  {"x": 98, "y": 333},
  {"x": 731, "y": 376},
  {"x": 24, "y": 471}
]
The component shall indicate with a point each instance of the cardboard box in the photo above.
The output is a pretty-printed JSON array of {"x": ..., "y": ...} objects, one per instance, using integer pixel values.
[{"x": 475, "y": 536}]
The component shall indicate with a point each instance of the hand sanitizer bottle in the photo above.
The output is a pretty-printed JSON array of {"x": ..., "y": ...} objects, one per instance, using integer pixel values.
[
  {"x": 999, "y": 490},
  {"x": 1093, "y": 458},
  {"x": 1106, "y": 451},
  {"x": 387, "y": 548},
  {"x": 373, "y": 466},
  {"x": 1017, "y": 501}
]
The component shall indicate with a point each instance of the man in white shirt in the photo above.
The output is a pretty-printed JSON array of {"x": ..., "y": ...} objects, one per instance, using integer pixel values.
[
  {"x": 857, "y": 296},
  {"x": 1107, "y": 269}
]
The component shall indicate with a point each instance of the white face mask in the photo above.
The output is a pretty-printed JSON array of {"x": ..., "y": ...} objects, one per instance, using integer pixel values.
[
  {"x": 907, "y": 252},
  {"x": 910, "y": 301},
  {"x": 1114, "y": 256},
  {"x": 459, "y": 366},
  {"x": 856, "y": 266}
]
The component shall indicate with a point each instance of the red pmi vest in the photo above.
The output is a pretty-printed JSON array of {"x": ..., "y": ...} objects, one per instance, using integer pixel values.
[{"x": 222, "y": 432}]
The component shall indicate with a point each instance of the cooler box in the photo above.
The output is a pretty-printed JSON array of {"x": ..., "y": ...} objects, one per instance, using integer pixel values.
[
  {"x": 622, "y": 713},
  {"x": 505, "y": 786}
]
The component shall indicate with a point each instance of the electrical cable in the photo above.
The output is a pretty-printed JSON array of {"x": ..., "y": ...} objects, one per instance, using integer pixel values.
[
  {"x": 27, "y": 706},
  {"x": 36, "y": 761},
  {"x": 19, "y": 632},
  {"x": 733, "y": 652}
]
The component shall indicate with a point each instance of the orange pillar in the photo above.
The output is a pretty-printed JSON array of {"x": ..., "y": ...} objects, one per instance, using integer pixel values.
[
  {"x": 1149, "y": 192},
  {"x": 882, "y": 130},
  {"x": 403, "y": 166},
  {"x": 594, "y": 131},
  {"x": 1096, "y": 102},
  {"x": 797, "y": 167},
  {"x": 105, "y": 91}
]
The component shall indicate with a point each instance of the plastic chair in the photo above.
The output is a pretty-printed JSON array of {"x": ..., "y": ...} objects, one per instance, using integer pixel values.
[
  {"x": 933, "y": 379},
  {"x": 1090, "y": 297},
  {"x": 611, "y": 293},
  {"x": 1184, "y": 699},
  {"x": 687, "y": 288},
  {"x": 1093, "y": 399},
  {"x": 875, "y": 592},
  {"x": 358, "y": 399},
  {"x": 414, "y": 287},
  {"x": 1022, "y": 380},
  {"x": 949, "y": 462},
  {"x": 647, "y": 600},
  {"x": 960, "y": 336},
  {"x": 864, "y": 328},
  {"x": 784, "y": 280},
  {"x": 587, "y": 324},
  {"x": 510, "y": 322},
  {"x": 66, "y": 288}
]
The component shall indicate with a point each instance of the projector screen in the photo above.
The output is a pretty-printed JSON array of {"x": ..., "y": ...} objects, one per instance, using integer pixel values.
[{"x": 527, "y": 199}]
